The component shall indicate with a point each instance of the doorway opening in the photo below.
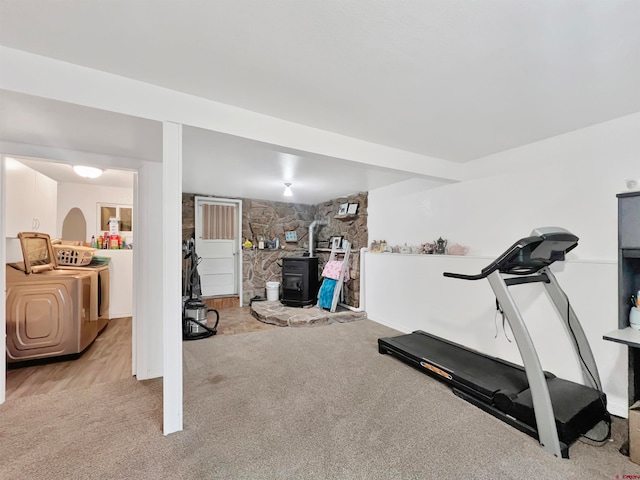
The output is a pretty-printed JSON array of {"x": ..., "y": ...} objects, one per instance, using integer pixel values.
[
  {"x": 218, "y": 244},
  {"x": 111, "y": 355}
]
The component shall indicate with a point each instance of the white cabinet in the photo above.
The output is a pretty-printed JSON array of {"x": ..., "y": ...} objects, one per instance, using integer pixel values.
[
  {"x": 46, "y": 206},
  {"x": 121, "y": 276},
  {"x": 31, "y": 202}
]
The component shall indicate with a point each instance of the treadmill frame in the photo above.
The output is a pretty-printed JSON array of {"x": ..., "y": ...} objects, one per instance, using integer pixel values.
[{"x": 543, "y": 409}]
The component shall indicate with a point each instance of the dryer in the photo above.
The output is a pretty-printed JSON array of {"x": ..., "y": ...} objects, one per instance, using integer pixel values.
[
  {"x": 50, "y": 311},
  {"x": 103, "y": 293}
]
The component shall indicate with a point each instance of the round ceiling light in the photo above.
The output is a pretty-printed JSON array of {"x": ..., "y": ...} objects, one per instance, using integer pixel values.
[{"x": 87, "y": 172}]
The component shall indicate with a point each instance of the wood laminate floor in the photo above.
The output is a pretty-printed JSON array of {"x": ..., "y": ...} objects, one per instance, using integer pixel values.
[{"x": 109, "y": 357}]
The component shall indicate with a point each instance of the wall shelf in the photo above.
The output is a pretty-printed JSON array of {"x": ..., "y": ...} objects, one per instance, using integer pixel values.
[
  {"x": 346, "y": 216},
  {"x": 627, "y": 336}
]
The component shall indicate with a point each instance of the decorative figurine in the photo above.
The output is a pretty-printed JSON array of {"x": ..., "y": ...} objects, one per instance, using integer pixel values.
[{"x": 441, "y": 246}]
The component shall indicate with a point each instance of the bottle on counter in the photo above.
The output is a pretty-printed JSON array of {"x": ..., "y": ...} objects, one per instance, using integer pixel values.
[{"x": 93, "y": 241}]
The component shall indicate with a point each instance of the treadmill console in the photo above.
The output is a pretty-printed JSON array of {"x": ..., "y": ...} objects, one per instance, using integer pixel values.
[{"x": 528, "y": 255}]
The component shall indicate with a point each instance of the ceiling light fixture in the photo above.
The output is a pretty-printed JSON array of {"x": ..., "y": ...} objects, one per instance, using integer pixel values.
[
  {"x": 87, "y": 172},
  {"x": 287, "y": 190}
]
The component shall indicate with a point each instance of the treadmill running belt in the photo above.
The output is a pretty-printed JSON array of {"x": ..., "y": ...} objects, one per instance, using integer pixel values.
[
  {"x": 483, "y": 374},
  {"x": 501, "y": 385}
]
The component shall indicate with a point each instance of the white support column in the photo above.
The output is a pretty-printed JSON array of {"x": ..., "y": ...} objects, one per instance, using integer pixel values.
[{"x": 172, "y": 276}]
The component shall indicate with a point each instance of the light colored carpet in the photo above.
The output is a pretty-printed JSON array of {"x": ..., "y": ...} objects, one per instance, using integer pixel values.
[{"x": 312, "y": 403}]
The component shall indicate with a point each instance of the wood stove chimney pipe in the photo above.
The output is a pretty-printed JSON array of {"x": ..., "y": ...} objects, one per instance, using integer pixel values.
[{"x": 311, "y": 227}]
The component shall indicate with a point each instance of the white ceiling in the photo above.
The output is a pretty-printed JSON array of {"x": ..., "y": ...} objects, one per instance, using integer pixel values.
[
  {"x": 224, "y": 165},
  {"x": 26, "y": 119},
  {"x": 63, "y": 173},
  {"x": 213, "y": 163},
  {"x": 455, "y": 80}
]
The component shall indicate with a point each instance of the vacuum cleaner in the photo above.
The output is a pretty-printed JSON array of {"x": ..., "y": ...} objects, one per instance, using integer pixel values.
[{"x": 194, "y": 310}]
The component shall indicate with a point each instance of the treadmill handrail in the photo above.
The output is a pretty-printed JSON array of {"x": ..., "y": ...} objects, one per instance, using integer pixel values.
[
  {"x": 466, "y": 277},
  {"x": 495, "y": 265}
]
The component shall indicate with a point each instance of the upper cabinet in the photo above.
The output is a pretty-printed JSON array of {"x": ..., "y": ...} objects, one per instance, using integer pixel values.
[
  {"x": 31, "y": 201},
  {"x": 629, "y": 220}
]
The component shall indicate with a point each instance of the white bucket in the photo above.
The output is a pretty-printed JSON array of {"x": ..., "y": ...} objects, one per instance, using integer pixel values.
[{"x": 273, "y": 291}]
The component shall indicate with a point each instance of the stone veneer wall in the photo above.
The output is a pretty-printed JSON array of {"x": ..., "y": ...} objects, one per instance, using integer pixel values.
[
  {"x": 354, "y": 229},
  {"x": 271, "y": 219}
]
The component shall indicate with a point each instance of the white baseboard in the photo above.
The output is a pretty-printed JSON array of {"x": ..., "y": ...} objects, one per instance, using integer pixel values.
[
  {"x": 148, "y": 375},
  {"x": 400, "y": 328},
  {"x": 617, "y": 408}
]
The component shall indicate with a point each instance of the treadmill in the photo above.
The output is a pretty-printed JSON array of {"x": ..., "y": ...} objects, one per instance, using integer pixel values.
[{"x": 550, "y": 409}]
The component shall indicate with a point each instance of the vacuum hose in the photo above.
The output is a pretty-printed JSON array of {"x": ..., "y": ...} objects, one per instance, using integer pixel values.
[{"x": 188, "y": 324}]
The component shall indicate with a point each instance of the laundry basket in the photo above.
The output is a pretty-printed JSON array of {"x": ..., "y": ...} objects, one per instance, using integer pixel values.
[{"x": 73, "y": 255}]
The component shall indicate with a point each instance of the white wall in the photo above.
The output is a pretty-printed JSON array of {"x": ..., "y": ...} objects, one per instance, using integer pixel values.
[
  {"x": 408, "y": 292},
  {"x": 86, "y": 198},
  {"x": 569, "y": 181},
  {"x": 148, "y": 270}
]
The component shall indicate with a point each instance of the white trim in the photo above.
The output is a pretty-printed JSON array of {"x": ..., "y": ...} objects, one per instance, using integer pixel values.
[
  {"x": 3, "y": 287},
  {"x": 238, "y": 204},
  {"x": 172, "y": 277},
  {"x": 140, "y": 327},
  {"x": 240, "y": 276},
  {"x": 136, "y": 275}
]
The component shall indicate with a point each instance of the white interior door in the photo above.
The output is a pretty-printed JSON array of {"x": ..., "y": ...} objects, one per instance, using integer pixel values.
[{"x": 217, "y": 240}]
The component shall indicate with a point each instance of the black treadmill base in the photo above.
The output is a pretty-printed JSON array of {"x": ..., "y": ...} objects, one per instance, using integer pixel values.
[
  {"x": 499, "y": 387},
  {"x": 515, "y": 423}
]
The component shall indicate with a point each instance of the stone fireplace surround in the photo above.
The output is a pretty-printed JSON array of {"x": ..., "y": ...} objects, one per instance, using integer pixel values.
[{"x": 271, "y": 219}]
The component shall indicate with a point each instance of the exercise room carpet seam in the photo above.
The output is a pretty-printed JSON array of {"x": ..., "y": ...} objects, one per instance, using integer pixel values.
[{"x": 287, "y": 403}]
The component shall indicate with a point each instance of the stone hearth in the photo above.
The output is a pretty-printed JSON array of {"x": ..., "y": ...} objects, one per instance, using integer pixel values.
[{"x": 277, "y": 314}]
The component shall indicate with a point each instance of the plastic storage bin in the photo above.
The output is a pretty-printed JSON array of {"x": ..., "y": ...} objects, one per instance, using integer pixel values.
[{"x": 273, "y": 291}]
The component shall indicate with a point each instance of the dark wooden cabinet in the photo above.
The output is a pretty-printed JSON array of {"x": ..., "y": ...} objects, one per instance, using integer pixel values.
[
  {"x": 628, "y": 283},
  {"x": 629, "y": 220}
]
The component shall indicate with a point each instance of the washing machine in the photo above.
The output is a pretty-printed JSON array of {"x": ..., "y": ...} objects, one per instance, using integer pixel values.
[{"x": 50, "y": 311}]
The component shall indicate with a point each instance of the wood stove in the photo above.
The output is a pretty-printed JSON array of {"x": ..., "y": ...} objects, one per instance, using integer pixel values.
[{"x": 299, "y": 281}]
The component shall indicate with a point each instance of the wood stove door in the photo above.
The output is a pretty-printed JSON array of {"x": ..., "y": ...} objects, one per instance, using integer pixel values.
[{"x": 293, "y": 286}]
